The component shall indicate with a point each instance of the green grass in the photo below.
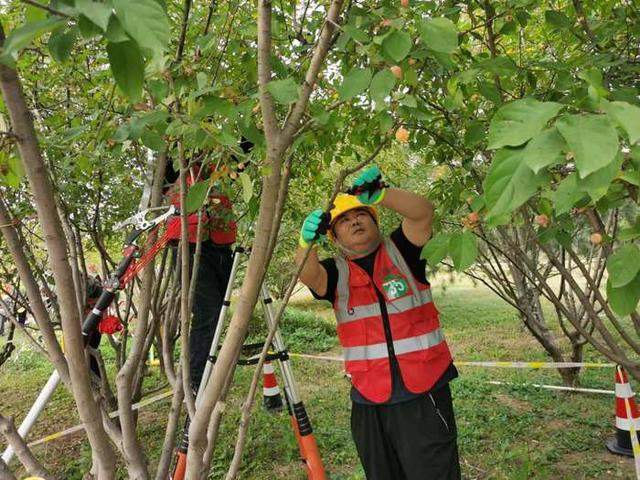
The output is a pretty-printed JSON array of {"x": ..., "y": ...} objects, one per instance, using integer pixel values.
[{"x": 505, "y": 432}]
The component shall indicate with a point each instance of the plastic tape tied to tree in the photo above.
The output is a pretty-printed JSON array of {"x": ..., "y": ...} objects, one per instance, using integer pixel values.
[{"x": 109, "y": 325}]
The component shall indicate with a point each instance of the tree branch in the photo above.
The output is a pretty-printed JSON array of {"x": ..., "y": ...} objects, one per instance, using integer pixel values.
[
  {"x": 317, "y": 60},
  {"x": 267, "y": 104},
  {"x": 47, "y": 8},
  {"x": 8, "y": 429}
]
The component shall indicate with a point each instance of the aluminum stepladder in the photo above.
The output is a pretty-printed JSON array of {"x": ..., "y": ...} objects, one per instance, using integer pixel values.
[{"x": 299, "y": 419}]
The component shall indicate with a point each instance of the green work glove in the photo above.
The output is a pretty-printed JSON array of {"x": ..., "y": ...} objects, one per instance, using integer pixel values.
[
  {"x": 313, "y": 228},
  {"x": 369, "y": 186}
]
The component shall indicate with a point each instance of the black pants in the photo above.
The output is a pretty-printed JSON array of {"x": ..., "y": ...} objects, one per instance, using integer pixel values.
[
  {"x": 213, "y": 275},
  {"x": 414, "y": 440}
]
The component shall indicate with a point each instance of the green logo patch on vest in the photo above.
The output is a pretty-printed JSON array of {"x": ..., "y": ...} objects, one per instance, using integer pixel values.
[{"x": 395, "y": 286}]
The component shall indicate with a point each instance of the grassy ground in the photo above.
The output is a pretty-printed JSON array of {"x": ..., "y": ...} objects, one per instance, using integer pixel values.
[{"x": 505, "y": 432}]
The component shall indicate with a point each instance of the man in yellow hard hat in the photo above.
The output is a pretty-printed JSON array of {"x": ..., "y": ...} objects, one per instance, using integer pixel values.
[{"x": 395, "y": 354}]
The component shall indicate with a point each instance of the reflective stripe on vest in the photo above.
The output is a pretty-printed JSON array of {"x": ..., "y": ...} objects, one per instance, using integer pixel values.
[
  {"x": 399, "y": 305},
  {"x": 406, "y": 345}
]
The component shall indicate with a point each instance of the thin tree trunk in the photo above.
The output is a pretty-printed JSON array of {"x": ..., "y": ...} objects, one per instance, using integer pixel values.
[
  {"x": 214, "y": 426},
  {"x": 5, "y": 473},
  {"x": 164, "y": 464},
  {"x": 44, "y": 199},
  {"x": 36, "y": 304},
  {"x": 33, "y": 466},
  {"x": 534, "y": 320},
  {"x": 133, "y": 451}
]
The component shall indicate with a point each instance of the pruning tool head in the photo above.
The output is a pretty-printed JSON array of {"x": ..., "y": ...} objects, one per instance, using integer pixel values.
[{"x": 140, "y": 222}]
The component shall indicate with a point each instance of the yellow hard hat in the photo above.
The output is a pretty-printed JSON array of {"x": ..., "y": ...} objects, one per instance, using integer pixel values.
[{"x": 345, "y": 202}]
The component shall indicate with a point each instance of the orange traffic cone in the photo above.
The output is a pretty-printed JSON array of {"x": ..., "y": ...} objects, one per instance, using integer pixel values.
[
  {"x": 621, "y": 444},
  {"x": 272, "y": 400}
]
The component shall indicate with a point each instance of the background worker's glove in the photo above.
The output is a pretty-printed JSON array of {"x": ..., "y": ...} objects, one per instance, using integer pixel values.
[
  {"x": 313, "y": 228},
  {"x": 369, "y": 187}
]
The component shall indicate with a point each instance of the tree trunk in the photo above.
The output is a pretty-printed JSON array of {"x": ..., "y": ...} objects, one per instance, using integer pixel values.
[
  {"x": 33, "y": 466},
  {"x": 5, "y": 473},
  {"x": 534, "y": 320},
  {"x": 44, "y": 199},
  {"x": 36, "y": 304},
  {"x": 132, "y": 449}
]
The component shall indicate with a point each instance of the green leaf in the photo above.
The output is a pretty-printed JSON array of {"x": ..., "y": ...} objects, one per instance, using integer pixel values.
[
  {"x": 489, "y": 91},
  {"x": 146, "y": 22},
  {"x": 627, "y": 116},
  {"x": 499, "y": 66},
  {"x": 196, "y": 195},
  {"x": 508, "y": 28},
  {"x": 597, "y": 184},
  {"x": 631, "y": 176},
  {"x": 127, "y": 66},
  {"x": 152, "y": 139},
  {"x": 566, "y": 195},
  {"x": 385, "y": 122},
  {"x": 98, "y": 13},
  {"x": 436, "y": 249},
  {"x": 623, "y": 265},
  {"x": 474, "y": 134},
  {"x": 381, "y": 85},
  {"x": 121, "y": 134},
  {"x": 409, "y": 101},
  {"x": 516, "y": 122},
  {"x": 355, "y": 82},
  {"x": 557, "y": 19},
  {"x": 115, "y": 33},
  {"x": 463, "y": 250},
  {"x": 624, "y": 300},
  {"x": 14, "y": 172},
  {"x": 60, "y": 44},
  {"x": 247, "y": 186},
  {"x": 34, "y": 14},
  {"x": 509, "y": 183},
  {"x": 593, "y": 77},
  {"x": 23, "y": 36},
  {"x": 87, "y": 28},
  {"x": 592, "y": 139},
  {"x": 630, "y": 233},
  {"x": 356, "y": 33},
  {"x": 397, "y": 45},
  {"x": 283, "y": 91},
  {"x": 544, "y": 149},
  {"x": 439, "y": 34}
]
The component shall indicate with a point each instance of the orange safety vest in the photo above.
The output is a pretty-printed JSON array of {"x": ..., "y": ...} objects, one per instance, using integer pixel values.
[
  {"x": 419, "y": 344},
  {"x": 219, "y": 226}
]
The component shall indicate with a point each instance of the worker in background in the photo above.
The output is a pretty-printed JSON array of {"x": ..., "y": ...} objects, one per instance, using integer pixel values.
[{"x": 214, "y": 269}]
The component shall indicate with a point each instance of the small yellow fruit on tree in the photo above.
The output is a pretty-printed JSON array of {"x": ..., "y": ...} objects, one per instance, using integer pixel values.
[
  {"x": 542, "y": 220},
  {"x": 596, "y": 238},
  {"x": 397, "y": 71},
  {"x": 402, "y": 135}
]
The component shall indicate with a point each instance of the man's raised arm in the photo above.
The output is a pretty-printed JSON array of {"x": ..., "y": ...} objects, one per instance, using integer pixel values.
[{"x": 313, "y": 275}]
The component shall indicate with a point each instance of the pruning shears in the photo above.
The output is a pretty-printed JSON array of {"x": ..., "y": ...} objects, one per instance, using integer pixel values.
[{"x": 140, "y": 222}]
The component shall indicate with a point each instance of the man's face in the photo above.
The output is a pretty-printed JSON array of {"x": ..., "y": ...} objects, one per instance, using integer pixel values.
[{"x": 356, "y": 230}]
